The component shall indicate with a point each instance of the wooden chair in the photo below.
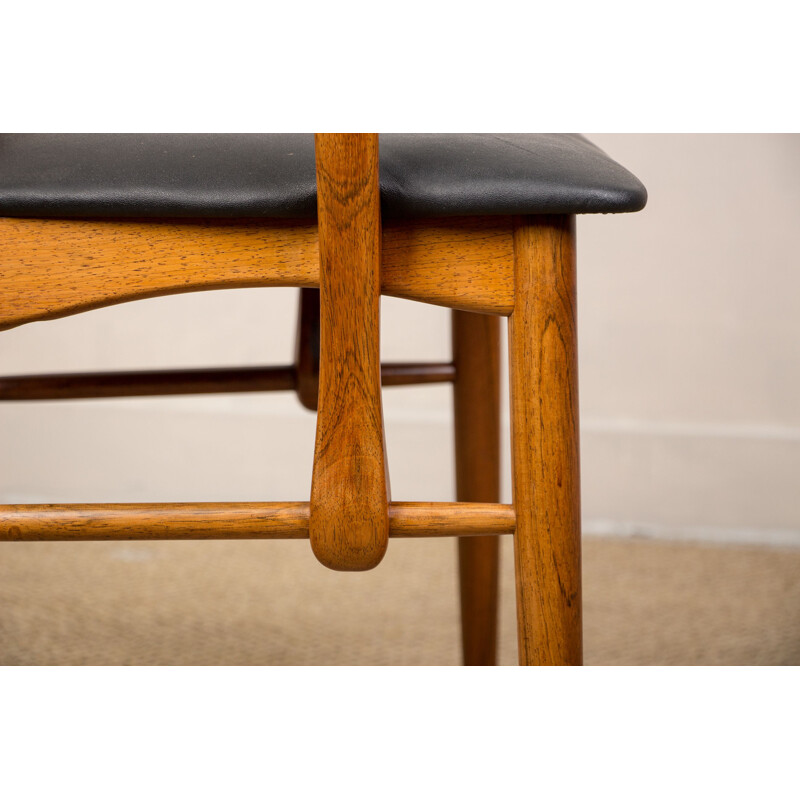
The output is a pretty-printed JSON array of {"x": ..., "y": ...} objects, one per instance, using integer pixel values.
[{"x": 481, "y": 224}]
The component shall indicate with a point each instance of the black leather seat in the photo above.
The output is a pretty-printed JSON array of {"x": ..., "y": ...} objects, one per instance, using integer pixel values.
[{"x": 272, "y": 175}]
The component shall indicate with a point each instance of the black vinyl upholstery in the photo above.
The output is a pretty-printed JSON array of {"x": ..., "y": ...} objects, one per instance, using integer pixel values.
[{"x": 272, "y": 175}]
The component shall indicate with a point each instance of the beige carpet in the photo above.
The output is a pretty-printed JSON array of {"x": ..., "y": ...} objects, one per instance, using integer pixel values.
[{"x": 271, "y": 603}]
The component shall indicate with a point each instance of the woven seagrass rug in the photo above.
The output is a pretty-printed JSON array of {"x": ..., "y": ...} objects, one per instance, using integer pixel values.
[{"x": 646, "y": 602}]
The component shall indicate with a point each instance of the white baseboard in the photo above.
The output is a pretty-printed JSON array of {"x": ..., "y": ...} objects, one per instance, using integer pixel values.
[{"x": 762, "y": 537}]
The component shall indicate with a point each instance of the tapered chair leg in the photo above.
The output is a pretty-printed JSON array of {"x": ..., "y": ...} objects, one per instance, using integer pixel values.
[
  {"x": 476, "y": 392},
  {"x": 544, "y": 430}
]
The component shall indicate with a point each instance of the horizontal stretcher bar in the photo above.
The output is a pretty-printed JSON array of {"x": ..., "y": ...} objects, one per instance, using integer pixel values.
[
  {"x": 131, "y": 521},
  {"x": 88, "y": 385}
]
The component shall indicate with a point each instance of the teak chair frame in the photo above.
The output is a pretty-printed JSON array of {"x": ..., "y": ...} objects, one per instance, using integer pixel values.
[{"x": 482, "y": 268}]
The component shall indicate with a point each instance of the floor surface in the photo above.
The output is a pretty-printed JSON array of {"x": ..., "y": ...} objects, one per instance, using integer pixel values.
[{"x": 646, "y": 602}]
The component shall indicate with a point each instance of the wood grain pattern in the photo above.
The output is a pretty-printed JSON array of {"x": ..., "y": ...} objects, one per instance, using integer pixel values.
[
  {"x": 544, "y": 442},
  {"x": 450, "y": 519},
  {"x": 463, "y": 263},
  {"x": 153, "y": 521},
  {"x": 476, "y": 401},
  {"x": 349, "y": 523},
  {"x": 133, "y": 521},
  {"x": 53, "y": 268}
]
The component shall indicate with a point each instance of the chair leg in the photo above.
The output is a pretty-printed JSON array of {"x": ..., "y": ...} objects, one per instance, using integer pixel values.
[
  {"x": 544, "y": 426},
  {"x": 476, "y": 393}
]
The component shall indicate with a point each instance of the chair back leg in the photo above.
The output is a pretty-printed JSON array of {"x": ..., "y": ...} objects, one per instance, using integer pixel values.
[{"x": 476, "y": 401}]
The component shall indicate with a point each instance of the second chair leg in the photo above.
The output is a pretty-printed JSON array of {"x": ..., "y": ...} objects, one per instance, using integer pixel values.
[{"x": 476, "y": 353}]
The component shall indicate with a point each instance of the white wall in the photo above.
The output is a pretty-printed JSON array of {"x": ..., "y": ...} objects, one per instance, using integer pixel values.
[
  {"x": 689, "y": 329},
  {"x": 690, "y": 337}
]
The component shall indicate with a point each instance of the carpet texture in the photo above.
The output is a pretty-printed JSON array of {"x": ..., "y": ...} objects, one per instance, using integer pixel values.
[{"x": 645, "y": 602}]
